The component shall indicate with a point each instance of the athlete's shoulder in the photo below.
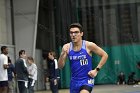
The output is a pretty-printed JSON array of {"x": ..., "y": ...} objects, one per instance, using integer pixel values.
[
  {"x": 90, "y": 46},
  {"x": 88, "y": 43}
]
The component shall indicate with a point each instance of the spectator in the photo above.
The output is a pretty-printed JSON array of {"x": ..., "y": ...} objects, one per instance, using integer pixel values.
[
  {"x": 131, "y": 79},
  {"x": 3, "y": 70},
  {"x": 121, "y": 78},
  {"x": 138, "y": 65},
  {"x": 21, "y": 72},
  {"x": 53, "y": 71},
  {"x": 138, "y": 80},
  {"x": 32, "y": 69},
  {"x": 11, "y": 74}
]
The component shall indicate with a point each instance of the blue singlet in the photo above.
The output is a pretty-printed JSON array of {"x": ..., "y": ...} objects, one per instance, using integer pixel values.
[{"x": 81, "y": 64}]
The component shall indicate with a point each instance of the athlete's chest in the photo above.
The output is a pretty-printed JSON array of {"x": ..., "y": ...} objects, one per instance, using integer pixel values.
[
  {"x": 77, "y": 55},
  {"x": 79, "y": 59}
]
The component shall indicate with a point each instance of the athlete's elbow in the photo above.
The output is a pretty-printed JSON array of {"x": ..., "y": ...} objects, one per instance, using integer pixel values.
[{"x": 106, "y": 56}]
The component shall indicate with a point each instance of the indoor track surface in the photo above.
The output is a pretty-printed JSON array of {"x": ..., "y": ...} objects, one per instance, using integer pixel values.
[{"x": 106, "y": 89}]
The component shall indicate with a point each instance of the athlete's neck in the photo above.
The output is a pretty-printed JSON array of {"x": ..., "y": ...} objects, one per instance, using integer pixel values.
[{"x": 77, "y": 45}]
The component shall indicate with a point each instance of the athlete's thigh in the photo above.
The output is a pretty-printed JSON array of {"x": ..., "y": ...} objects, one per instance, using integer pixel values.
[{"x": 74, "y": 86}]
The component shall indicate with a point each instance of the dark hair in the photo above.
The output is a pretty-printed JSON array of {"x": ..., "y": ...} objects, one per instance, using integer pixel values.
[
  {"x": 21, "y": 51},
  {"x": 78, "y": 25},
  {"x": 52, "y": 53},
  {"x": 30, "y": 58},
  {"x": 3, "y": 48}
]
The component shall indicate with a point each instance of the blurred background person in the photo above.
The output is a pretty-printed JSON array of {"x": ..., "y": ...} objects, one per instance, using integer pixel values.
[
  {"x": 131, "y": 79},
  {"x": 53, "y": 71},
  {"x": 22, "y": 72},
  {"x": 138, "y": 79},
  {"x": 11, "y": 74},
  {"x": 138, "y": 66},
  {"x": 32, "y": 70},
  {"x": 3, "y": 70},
  {"x": 121, "y": 78}
]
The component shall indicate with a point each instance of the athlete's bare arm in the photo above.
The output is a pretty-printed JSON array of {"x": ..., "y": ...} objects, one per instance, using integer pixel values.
[
  {"x": 92, "y": 47},
  {"x": 63, "y": 56}
]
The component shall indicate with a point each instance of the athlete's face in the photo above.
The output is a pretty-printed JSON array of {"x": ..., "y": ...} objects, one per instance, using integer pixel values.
[{"x": 75, "y": 34}]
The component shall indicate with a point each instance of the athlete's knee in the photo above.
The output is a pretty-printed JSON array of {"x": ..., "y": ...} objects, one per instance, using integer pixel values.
[
  {"x": 86, "y": 88},
  {"x": 84, "y": 91}
]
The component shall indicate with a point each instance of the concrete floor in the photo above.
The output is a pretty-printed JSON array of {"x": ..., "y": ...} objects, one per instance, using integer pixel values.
[{"x": 106, "y": 89}]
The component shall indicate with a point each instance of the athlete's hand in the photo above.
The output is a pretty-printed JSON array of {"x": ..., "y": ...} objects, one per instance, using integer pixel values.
[
  {"x": 93, "y": 73},
  {"x": 63, "y": 56},
  {"x": 64, "y": 50}
]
